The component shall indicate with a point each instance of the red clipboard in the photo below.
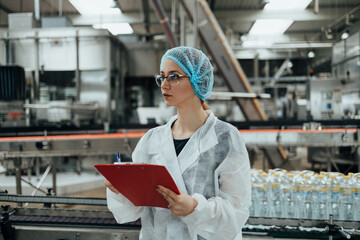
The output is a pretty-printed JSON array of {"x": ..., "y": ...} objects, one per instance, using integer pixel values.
[{"x": 137, "y": 182}]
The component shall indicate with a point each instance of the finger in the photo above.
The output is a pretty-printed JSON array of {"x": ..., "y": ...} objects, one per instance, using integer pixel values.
[
  {"x": 114, "y": 190},
  {"x": 111, "y": 187},
  {"x": 168, "y": 192},
  {"x": 166, "y": 197}
]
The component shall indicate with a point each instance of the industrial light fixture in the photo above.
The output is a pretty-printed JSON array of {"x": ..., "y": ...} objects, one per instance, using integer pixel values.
[
  {"x": 95, "y": 6},
  {"x": 115, "y": 28},
  {"x": 115, "y": 4},
  {"x": 290, "y": 64},
  {"x": 277, "y": 26},
  {"x": 345, "y": 35},
  {"x": 328, "y": 33},
  {"x": 270, "y": 26},
  {"x": 286, "y": 4},
  {"x": 311, "y": 54}
]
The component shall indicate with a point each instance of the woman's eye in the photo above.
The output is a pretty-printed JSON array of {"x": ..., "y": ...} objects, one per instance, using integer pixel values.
[{"x": 173, "y": 76}]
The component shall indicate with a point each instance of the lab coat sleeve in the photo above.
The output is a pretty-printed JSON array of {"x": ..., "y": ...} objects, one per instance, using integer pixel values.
[
  {"x": 123, "y": 209},
  {"x": 223, "y": 216}
]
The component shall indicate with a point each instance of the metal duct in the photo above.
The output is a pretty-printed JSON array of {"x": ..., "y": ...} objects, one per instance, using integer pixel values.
[{"x": 160, "y": 12}]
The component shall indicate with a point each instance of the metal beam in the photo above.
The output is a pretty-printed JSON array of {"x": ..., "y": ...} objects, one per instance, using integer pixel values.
[
  {"x": 5, "y": 9},
  {"x": 282, "y": 68},
  {"x": 107, "y": 144},
  {"x": 219, "y": 48},
  {"x": 221, "y": 15},
  {"x": 295, "y": 15},
  {"x": 91, "y": 19},
  {"x": 146, "y": 15}
]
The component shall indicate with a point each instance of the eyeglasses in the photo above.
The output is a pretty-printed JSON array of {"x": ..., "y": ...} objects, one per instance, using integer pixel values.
[{"x": 172, "y": 79}]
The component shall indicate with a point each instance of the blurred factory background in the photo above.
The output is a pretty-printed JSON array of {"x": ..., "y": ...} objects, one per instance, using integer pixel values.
[{"x": 77, "y": 85}]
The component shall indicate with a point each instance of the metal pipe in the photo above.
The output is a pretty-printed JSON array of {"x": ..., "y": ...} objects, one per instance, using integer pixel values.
[
  {"x": 17, "y": 163},
  {"x": 195, "y": 24},
  {"x": 37, "y": 9},
  {"x": 32, "y": 185},
  {"x": 53, "y": 173},
  {"x": 37, "y": 68},
  {"x": 331, "y": 221},
  {"x": 256, "y": 66},
  {"x": 38, "y": 185},
  {"x": 182, "y": 29},
  {"x": 71, "y": 107},
  {"x": 60, "y": 7},
  {"x": 173, "y": 16},
  {"x": 7, "y": 48},
  {"x": 77, "y": 71},
  {"x": 160, "y": 12},
  {"x": 225, "y": 95},
  {"x": 316, "y": 6}
]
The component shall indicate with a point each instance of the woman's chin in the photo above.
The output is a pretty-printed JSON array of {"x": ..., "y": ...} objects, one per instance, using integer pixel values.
[{"x": 169, "y": 104}]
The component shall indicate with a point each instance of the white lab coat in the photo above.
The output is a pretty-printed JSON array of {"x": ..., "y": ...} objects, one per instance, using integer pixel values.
[{"x": 213, "y": 167}]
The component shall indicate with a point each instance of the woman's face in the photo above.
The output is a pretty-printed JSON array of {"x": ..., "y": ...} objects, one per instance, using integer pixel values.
[{"x": 180, "y": 94}]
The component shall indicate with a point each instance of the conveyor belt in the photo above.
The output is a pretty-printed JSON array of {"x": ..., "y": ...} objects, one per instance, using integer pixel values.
[
  {"x": 61, "y": 221},
  {"x": 52, "y": 200},
  {"x": 87, "y": 219}
]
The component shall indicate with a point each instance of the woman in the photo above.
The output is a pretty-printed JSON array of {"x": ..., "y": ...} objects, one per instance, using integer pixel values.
[{"x": 206, "y": 157}]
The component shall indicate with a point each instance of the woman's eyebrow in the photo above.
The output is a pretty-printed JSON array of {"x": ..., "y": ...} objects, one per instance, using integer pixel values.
[{"x": 170, "y": 72}]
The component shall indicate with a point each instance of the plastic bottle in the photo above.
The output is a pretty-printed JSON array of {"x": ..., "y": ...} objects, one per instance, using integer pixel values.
[
  {"x": 305, "y": 197},
  {"x": 334, "y": 196},
  {"x": 256, "y": 185},
  {"x": 262, "y": 191},
  {"x": 270, "y": 184},
  {"x": 319, "y": 201},
  {"x": 346, "y": 202},
  {"x": 356, "y": 195},
  {"x": 253, "y": 195},
  {"x": 276, "y": 194},
  {"x": 287, "y": 203}
]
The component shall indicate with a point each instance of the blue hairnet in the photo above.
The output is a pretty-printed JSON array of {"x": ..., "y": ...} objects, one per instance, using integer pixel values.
[{"x": 196, "y": 65}]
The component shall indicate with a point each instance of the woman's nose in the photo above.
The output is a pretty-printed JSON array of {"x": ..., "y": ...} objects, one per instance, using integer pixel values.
[{"x": 165, "y": 84}]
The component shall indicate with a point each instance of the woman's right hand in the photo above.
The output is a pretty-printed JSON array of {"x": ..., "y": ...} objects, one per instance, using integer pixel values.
[{"x": 111, "y": 187}]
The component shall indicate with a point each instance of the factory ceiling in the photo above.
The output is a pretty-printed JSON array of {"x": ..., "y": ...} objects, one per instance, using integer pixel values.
[{"x": 320, "y": 23}]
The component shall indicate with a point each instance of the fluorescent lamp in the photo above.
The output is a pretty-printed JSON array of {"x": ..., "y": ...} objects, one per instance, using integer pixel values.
[
  {"x": 311, "y": 54},
  {"x": 115, "y": 28},
  {"x": 287, "y": 4},
  {"x": 345, "y": 35},
  {"x": 270, "y": 26},
  {"x": 94, "y": 6}
]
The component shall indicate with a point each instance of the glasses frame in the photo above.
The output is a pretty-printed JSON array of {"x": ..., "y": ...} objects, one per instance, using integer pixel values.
[{"x": 170, "y": 82}]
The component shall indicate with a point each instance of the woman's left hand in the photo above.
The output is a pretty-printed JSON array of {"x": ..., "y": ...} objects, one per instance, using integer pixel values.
[{"x": 179, "y": 205}]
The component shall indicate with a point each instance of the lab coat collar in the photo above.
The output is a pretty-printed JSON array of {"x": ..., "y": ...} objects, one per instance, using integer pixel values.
[{"x": 203, "y": 139}]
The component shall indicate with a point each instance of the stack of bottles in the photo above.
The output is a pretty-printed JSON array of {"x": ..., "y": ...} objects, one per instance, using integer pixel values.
[{"x": 305, "y": 194}]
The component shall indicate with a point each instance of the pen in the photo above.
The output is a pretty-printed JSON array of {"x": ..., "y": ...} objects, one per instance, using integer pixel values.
[{"x": 118, "y": 159}]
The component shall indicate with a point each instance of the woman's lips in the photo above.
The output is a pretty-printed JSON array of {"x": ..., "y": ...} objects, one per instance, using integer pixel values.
[{"x": 166, "y": 95}]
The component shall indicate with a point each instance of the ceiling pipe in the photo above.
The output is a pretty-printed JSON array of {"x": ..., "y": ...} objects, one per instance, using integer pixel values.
[
  {"x": 316, "y": 6},
  {"x": 160, "y": 12},
  {"x": 37, "y": 9},
  {"x": 60, "y": 7}
]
